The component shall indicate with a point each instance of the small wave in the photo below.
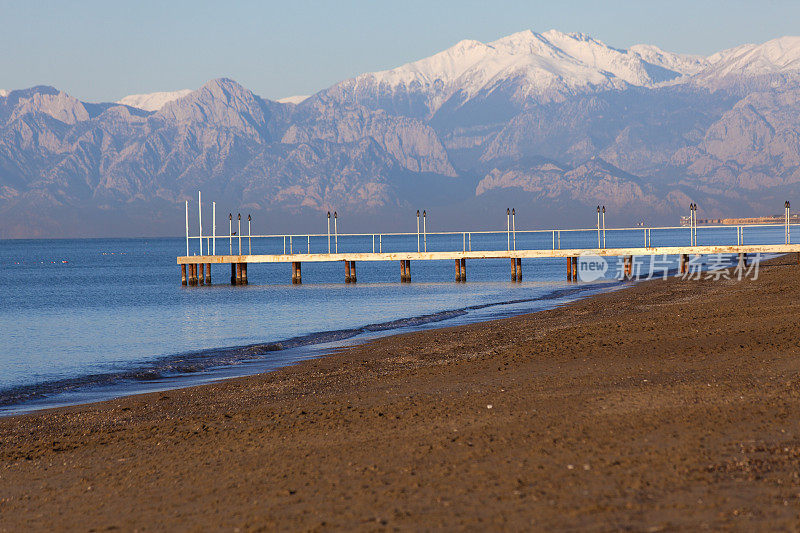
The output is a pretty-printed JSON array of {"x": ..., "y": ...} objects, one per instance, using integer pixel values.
[{"x": 205, "y": 360}]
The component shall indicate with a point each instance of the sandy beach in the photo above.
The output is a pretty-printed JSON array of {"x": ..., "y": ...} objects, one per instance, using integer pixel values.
[{"x": 666, "y": 405}]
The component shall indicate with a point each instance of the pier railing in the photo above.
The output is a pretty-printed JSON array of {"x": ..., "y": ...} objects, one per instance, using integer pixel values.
[{"x": 498, "y": 240}]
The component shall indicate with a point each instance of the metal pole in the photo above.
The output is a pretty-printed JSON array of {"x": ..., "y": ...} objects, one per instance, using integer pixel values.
[
  {"x": 373, "y": 243},
  {"x": 187, "y": 227},
  {"x": 200, "y": 217},
  {"x": 424, "y": 229},
  {"x": 335, "y": 232},
  {"x": 554, "y": 239},
  {"x": 380, "y": 243},
  {"x": 308, "y": 243},
  {"x": 417, "y": 230},
  {"x": 239, "y": 233},
  {"x": 514, "y": 226},
  {"x": 291, "y": 248},
  {"x": 508, "y": 228},
  {"x": 604, "y": 226},
  {"x": 598, "y": 226},
  {"x": 469, "y": 240},
  {"x": 230, "y": 233},
  {"x": 214, "y": 227},
  {"x": 249, "y": 243},
  {"x": 464, "y": 243},
  {"x": 788, "y": 206},
  {"x": 329, "y": 232},
  {"x": 559, "y": 239}
]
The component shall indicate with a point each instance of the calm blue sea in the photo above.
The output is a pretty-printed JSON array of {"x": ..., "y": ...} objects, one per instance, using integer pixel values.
[{"x": 92, "y": 319}]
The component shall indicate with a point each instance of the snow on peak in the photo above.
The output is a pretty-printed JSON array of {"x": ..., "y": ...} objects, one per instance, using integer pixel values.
[
  {"x": 294, "y": 99},
  {"x": 153, "y": 101},
  {"x": 543, "y": 66},
  {"x": 772, "y": 57},
  {"x": 3, "y": 93},
  {"x": 684, "y": 63}
]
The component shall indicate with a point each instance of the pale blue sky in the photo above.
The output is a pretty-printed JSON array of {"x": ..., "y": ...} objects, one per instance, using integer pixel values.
[{"x": 103, "y": 50}]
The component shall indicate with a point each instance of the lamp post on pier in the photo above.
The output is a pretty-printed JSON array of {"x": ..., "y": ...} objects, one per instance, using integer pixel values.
[
  {"x": 424, "y": 229},
  {"x": 417, "y": 230}
]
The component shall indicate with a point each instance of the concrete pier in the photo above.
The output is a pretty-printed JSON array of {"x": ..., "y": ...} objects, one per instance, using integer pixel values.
[{"x": 192, "y": 266}]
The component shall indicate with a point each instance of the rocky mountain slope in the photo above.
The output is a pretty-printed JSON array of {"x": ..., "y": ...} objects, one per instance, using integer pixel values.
[{"x": 553, "y": 122}]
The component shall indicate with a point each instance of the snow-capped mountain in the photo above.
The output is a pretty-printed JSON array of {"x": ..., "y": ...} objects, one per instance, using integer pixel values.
[
  {"x": 294, "y": 99},
  {"x": 153, "y": 101},
  {"x": 772, "y": 57},
  {"x": 549, "y": 122},
  {"x": 526, "y": 67},
  {"x": 683, "y": 63},
  {"x": 3, "y": 92}
]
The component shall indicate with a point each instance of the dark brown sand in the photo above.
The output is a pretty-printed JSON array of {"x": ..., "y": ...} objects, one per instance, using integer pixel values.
[{"x": 668, "y": 405}]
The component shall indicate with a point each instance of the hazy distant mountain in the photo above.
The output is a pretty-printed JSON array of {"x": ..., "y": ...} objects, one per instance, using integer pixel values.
[
  {"x": 552, "y": 123},
  {"x": 293, "y": 99},
  {"x": 153, "y": 101}
]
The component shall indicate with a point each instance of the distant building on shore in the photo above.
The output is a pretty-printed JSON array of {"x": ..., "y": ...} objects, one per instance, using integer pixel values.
[{"x": 771, "y": 219}]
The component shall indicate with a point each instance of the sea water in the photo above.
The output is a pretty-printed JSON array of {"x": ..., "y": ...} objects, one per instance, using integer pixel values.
[{"x": 92, "y": 319}]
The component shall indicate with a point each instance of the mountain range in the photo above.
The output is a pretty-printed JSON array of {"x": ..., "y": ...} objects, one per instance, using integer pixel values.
[{"x": 552, "y": 124}]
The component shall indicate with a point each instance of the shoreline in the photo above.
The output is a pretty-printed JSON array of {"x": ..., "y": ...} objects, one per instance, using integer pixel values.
[
  {"x": 666, "y": 404},
  {"x": 201, "y": 367}
]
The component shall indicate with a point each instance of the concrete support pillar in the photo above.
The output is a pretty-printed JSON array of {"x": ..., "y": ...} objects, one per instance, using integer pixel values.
[
  {"x": 513, "y": 269},
  {"x": 569, "y": 269},
  {"x": 742, "y": 260},
  {"x": 238, "y": 273},
  {"x": 233, "y": 273},
  {"x": 183, "y": 275},
  {"x": 192, "y": 274},
  {"x": 353, "y": 277},
  {"x": 244, "y": 273},
  {"x": 297, "y": 273},
  {"x": 463, "y": 270},
  {"x": 408, "y": 270},
  {"x": 347, "y": 277},
  {"x": 458, "y": 270},
  {"x": 208, "y": 273},
  {"x": 628, "y": 267},
  {"x": 519, "y": 269},
  {"x": 201, "y": 274},
  {"x": 682, "y": 261},
  {"x": 402, "y": 271},
  {"x": 575, "y": 269}
]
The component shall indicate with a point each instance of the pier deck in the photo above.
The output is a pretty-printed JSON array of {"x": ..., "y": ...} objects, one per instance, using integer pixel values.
[
  {"x": 199, "y": 266},
  {"x": 488, "y": 254}
]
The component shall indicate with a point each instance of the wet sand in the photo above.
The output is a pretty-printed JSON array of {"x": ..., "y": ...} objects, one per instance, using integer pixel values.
[{"x": 670, "y": 404}]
